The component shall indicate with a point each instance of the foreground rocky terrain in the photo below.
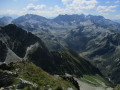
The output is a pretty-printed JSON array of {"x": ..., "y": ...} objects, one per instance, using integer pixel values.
[{"x": 25, "y": 75}]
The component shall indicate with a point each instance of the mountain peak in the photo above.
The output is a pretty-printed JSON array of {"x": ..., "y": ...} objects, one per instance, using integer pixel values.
[
  {"x": 28, "y": 17},
  {"x": 95, "y": 17},
  {"x": 8, "y": 17},
  {"x": 73, "y": 15},
  {"x": 33, "y": 16},
  {"x": 5, "y": 20},
  {"x": 69, "y": 18}
]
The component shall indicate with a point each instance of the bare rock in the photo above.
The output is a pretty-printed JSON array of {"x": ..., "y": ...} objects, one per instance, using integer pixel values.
[
  {"x": 6, "y": 78},
  {"x": 23, "y": 83},
  {"x": 70, "y": 89}
]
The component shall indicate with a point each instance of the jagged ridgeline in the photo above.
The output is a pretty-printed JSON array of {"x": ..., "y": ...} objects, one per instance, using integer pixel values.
[{"x": 17, "y": 44}]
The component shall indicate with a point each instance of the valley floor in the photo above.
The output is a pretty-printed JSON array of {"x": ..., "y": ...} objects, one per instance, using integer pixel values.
[
  {"x": 93, "y": 83},
  {"x": 87, "y": 86}
]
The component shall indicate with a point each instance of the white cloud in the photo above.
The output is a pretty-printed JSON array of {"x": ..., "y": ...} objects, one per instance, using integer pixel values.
[
  {"x": 12, "y": 12},
  {"x": 33, "y": 7},
  {"x": 74, "y": 6},
  {"x": 30, "y": 7},
  {"x": 106, "y": 9},
  {"x": 117, "y": 1},
  {"x": 81, "y": 4},
  {"x": 108, "y": 2},
  {"x": 70, "y": 7},
  {"x": 42, "y": 6}
]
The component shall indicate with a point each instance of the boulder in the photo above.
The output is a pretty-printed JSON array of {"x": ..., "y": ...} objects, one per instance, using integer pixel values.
[
  {"x": 8, "y": 88},
  {"x": 71, "y": 79},
  {"x": 23, "y": 83},
  {"x": 70, "y": 89},
  {"x": 6, "y": 78}
]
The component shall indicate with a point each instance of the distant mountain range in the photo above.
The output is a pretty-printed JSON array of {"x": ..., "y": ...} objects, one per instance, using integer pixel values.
[
  {"x": 117, "y": 21},
  {"x": 95, "y": 38},
  {"x": 5, "y": 20}
]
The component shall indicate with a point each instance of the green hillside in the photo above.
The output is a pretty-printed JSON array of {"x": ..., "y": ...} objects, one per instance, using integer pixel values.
[{"x": 29, "y": 72}]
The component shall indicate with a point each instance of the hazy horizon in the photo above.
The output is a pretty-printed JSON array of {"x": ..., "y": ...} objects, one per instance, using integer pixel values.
[{"x": 14, "y": 8}]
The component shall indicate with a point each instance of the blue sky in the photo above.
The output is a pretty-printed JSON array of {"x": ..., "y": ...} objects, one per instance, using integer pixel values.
[{"x": 51, "y": 8}]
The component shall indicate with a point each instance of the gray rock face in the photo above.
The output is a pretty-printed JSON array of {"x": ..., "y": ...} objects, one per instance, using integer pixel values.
[
  {"x": 6, "y": 78},
  {"x": 70, "y": 89},
  {"x": 3, "y": 51},
  {"x": 23, "y": 83},
  {"x": 8, "y": 88},
  {"x": 71, "y": 79},
  {"x": 6, "y": 54}
]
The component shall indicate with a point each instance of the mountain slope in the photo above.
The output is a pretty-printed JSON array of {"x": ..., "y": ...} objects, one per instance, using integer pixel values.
[
  {"x": 98, "y": 45},
  {"x": 20, "y": 42},
  {"x": 30, "y": 22},
  {"x": 30, "y": 73},
  {"x": 53, "y": 30},
  {"x": 118, "y": 21},
  {"x": 93, "y": 37},
  {"x": 76, "y": 20},
  {"x": 25, "y": 75},
  {"x": 5, "y": 20},
  {"x": 41, "y": 27},
  {"x": 29, "y": 47}
]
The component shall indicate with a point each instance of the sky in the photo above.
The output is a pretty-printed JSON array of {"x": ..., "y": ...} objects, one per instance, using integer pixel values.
[{"x": 110, "y": 9}]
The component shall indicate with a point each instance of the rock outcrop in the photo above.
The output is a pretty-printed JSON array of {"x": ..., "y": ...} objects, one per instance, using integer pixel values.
[
  {"x": 23, "y": 83},
  {"x": 71, "y": 79},
  {"x": 6, "y": 78}
]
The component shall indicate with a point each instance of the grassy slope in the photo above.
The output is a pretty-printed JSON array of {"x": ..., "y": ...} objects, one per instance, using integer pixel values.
[
  {"x": 96, "y": 80},
  {"x": 30, "y": 72},
  {"x": 69, "y": 62},
  {"x": 117, "y": 87}
]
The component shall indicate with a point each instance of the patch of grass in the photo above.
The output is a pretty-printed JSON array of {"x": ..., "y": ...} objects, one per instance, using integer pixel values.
[
  {"x": 95, "y": 80},
  {"x": 16, "y": 81},
  {"x": 34, "y": 74},
  {"x": 59, "y": 88},
  {"x": 117, "y": 87}
]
